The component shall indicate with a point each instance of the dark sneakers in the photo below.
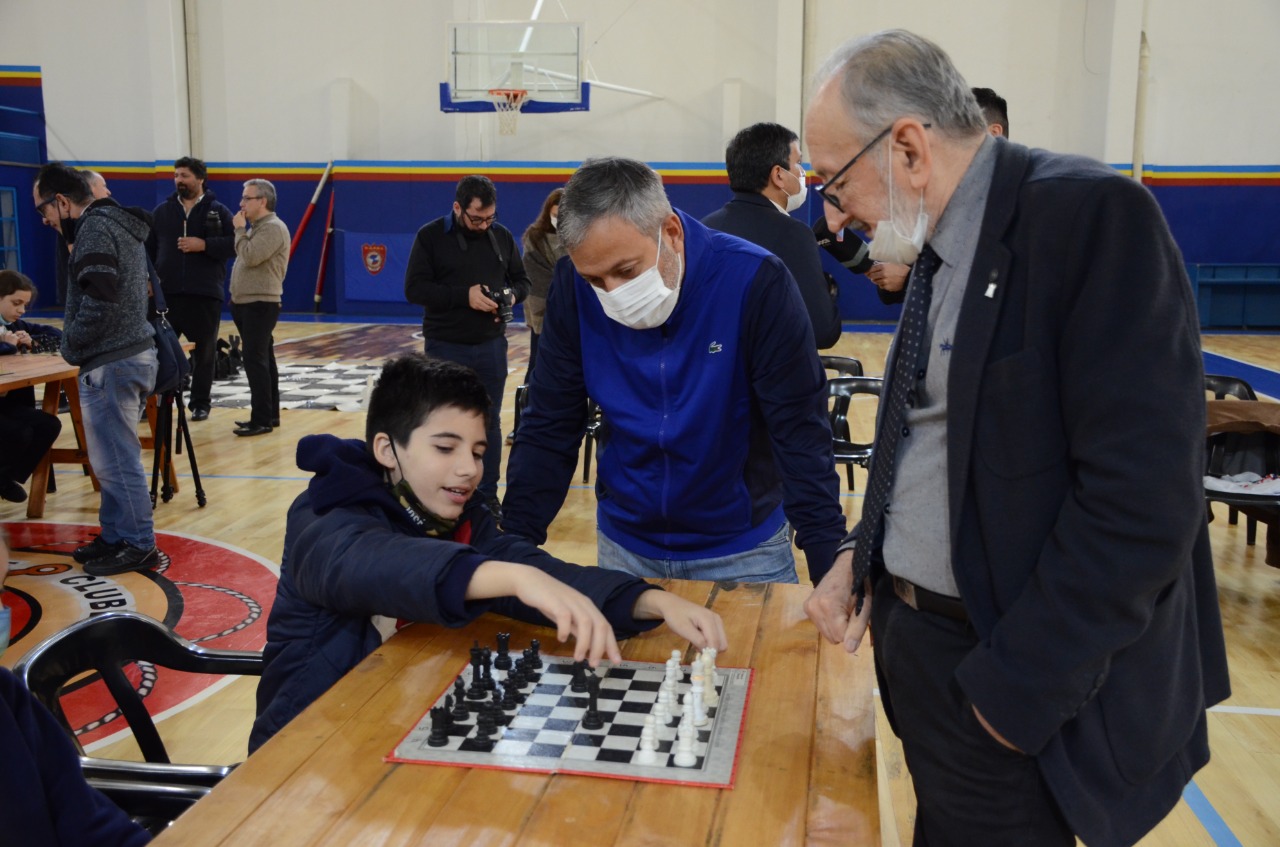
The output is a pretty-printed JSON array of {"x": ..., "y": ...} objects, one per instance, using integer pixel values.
[
  {"x": 125, "y": 559},
  {"x": 96, "y": 549}
]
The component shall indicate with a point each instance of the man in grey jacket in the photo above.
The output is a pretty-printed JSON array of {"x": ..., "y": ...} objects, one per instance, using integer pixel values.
[
  {"x": 106, "y": 333},
  {"x": 257, "y": 285}
]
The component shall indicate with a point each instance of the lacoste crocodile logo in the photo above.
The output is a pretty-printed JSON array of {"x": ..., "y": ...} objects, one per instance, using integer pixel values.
[{"x": 715, "y": 347}]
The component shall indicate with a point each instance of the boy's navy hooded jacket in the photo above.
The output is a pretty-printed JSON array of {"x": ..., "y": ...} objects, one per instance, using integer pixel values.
[{"x": 352, "y": 554}]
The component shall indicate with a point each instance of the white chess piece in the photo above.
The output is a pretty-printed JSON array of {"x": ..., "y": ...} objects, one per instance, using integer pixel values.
[
  {"x": 695, "y": 696},
  {"x": 673, "y": 694},
  {"x": 685, "y": 756},
  {"x": 648, "y": 752},
  {"x": 662, "y": 710},
  {"x": 711, "y": 697}
]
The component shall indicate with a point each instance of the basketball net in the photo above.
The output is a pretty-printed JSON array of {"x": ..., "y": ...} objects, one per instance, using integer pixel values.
[{"x": 507, "y": 102}]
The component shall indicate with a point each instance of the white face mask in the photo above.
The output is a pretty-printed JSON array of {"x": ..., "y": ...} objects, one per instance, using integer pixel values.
[
  {"x": 795, "y": 201},
  {"x": 644, "y": 302},
  {"x": 891, "y": 244}
]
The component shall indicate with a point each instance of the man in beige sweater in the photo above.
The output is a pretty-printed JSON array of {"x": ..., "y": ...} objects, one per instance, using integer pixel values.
[{"x": 257, "y": 283}]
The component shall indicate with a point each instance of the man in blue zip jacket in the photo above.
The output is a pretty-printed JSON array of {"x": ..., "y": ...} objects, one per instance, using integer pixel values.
[
  {"x": 190, "y": 243},
  {"x": 699, "y": 351}
]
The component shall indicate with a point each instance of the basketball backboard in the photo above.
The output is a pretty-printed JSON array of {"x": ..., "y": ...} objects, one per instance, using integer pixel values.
[{"x": 543, "y": 58}]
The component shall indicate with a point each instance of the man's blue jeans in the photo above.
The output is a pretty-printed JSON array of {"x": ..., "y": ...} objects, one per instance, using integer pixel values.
[
  {"x": 112, "y": 399},
  {"x": 771, "y": 561},
  {"x": 489, "y": 360}
]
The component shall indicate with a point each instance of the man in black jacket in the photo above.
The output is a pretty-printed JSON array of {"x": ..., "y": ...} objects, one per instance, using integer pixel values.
[
  {"x": 460, "y": 267},
  {"x": 1047, "y": 633},
  {"x": 190, "y": 243},
  {"x": 768, "y": 184}
]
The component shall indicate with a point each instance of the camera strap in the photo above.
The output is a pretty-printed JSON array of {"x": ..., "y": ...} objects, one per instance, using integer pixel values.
[{"x": 493, "y": 240}]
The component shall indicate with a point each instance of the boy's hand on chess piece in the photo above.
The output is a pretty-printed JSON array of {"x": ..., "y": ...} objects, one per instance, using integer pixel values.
[
  {"x": 831, "y": 606},
  {"x": 570, "y": 610},
  {"x": 697, "y": 624}
]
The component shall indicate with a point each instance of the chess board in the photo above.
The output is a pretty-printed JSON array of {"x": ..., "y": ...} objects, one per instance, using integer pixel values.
[
  {"x": 305, "y": 386},
  {"x": 544, "y": 734}
]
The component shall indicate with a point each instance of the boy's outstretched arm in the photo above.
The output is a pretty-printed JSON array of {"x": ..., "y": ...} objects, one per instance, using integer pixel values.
[
  {"x": 572, "y": 612},
  {"x": 701, "y": 626}
]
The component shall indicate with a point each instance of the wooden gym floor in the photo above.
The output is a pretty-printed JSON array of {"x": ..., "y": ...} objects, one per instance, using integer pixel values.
[{"x": 1232, "y": 801}]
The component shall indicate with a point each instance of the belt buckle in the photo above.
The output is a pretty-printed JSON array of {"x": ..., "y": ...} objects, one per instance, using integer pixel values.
[{"x": 906, "y": 591}]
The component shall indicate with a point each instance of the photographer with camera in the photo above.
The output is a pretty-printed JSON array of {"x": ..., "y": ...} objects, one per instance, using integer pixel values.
[
  {"x": 466, "y": 272},
  {"x": 191, "y": 240}
]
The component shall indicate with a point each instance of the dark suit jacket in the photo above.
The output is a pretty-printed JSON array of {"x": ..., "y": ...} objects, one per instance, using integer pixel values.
[
  {"x": 1075, "y": 438},
  {"x": 753, "y": 217}
]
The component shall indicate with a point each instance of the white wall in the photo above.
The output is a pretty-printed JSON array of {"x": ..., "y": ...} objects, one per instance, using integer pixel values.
[{"x": 309, "y": 80}]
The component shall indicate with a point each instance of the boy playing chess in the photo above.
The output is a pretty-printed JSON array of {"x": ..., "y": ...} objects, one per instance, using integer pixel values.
[{"x": 387, "y": 532}]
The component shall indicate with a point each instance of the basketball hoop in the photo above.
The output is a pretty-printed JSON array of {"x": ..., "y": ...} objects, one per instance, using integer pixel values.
[{"x": 507, "y": 102}]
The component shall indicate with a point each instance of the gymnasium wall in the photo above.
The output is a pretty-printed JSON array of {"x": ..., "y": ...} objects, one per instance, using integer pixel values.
[{"x": 280, "y": 88}]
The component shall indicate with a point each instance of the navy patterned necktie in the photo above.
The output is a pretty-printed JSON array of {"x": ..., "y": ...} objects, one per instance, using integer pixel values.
[{"x": 906, "y": 373}]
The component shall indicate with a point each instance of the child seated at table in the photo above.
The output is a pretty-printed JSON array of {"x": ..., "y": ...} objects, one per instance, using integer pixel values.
[
  {"x": 26, "y": 432},
  {"x": 388, "y": 533}
]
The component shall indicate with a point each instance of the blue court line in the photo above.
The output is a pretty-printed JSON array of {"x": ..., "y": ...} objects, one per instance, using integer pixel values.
[
  {"x": 1209, "y": 817},
  {"x": 1263, "y": 380}
]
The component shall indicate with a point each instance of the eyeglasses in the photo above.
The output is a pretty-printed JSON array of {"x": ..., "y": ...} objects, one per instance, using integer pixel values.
[
  {"x": 475, "y": 221},
  {"x": 825, "y": 191},
  {"x": 247, "y": 199},
  {"x": 40, "y": 206}
]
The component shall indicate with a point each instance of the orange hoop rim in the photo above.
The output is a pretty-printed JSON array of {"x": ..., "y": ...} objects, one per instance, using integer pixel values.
[{"x": 512, "y": 97}]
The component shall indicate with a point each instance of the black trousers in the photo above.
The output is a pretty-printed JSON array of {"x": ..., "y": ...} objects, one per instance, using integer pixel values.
[
  {"x": 199, "y": 319},
  {"x": 255, "y": 322},
  {"x": 970, "y": 789},
  {"x": 489, "y": 360},
  {"x": 26, "y": 434}
]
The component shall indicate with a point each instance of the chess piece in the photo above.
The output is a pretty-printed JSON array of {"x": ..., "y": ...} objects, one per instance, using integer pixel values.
[
  {"x": 579, "y": 683},
  {"x": 486, "y": 668},
  {"x": 503, "y": 660},
  {"x": 486, "y": 725},
  {"x": 536, "y": 647},
  {"x": 685, "y": 756},
  {"x": 460, "y": 712},
  {"x": 673, "y": 694},
  {"x": 648, "y": 752},
  {"x": 698, "y": 708},
  {"x": 662, "y": 709},
  {"x": 711, "y": 696},
  {"x": 439, "y": 736},
  {"x": 593, "y": 719}
]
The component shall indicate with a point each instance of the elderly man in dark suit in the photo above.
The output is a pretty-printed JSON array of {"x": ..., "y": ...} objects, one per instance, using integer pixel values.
[
  {"x": 1047, "y": 633},
  {"x": 768, "y": 184}
]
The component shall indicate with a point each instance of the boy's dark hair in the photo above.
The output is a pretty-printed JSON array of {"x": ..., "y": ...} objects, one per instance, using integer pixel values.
[
  {"x": 57, "y": 178},
  {"x": 754, "y": 151},
  {"x": 413, "y": 386},
  {"x": 994, "y": 108},
  {"x": 476, "y": 187},
  {"x": 11, "y": 281},
  {"x": 197, "y": 168}
]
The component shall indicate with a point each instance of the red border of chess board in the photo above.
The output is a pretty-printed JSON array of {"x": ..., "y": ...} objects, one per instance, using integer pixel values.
[{"x": 733, "y": 774}]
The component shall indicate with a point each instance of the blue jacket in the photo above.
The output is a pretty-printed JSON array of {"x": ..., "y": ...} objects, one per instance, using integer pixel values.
[
  {"x": 44, "y": 799},
  {"x": 351, "y": 553},
  {"x": 200, "y": 274},
  {"x": 716, "y": 421}
]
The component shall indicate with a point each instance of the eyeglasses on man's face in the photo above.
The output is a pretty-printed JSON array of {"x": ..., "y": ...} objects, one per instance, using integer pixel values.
[
  {"x": 247, "y": 198},
  {"x": 478, "y": 221},
  {"x": 45, "y": 202},
  {"x": 827, "y": 191}
]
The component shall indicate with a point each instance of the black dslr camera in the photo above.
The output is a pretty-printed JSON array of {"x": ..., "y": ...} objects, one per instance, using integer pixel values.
[
  {"x": 505, "y": 298},
  {"x": 212, "y": 224}
]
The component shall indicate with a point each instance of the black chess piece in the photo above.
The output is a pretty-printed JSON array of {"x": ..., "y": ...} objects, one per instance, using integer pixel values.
[
  {"x": 593, "y": 719},
  {"x": 536, "y": 647},
  {"x": 460, "y": 711},
  {"x": 515, "y": 677},
  {"x": 579, "y": 683},
  {"x": 486, "y": 669},
  {"x": 486, "y": 725},
  {"x": 503, "y": 660},
  {"x": 439, "y": 727},
  {"x": 509, "y": 701}
]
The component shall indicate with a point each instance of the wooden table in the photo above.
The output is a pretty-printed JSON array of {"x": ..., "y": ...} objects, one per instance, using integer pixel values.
[
  {"x": 806, "y": 769},
  {"x": 51, "y": 370}
]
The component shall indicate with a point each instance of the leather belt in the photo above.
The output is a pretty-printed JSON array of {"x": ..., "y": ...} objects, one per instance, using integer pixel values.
[{"x": 924, "y": 600}]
